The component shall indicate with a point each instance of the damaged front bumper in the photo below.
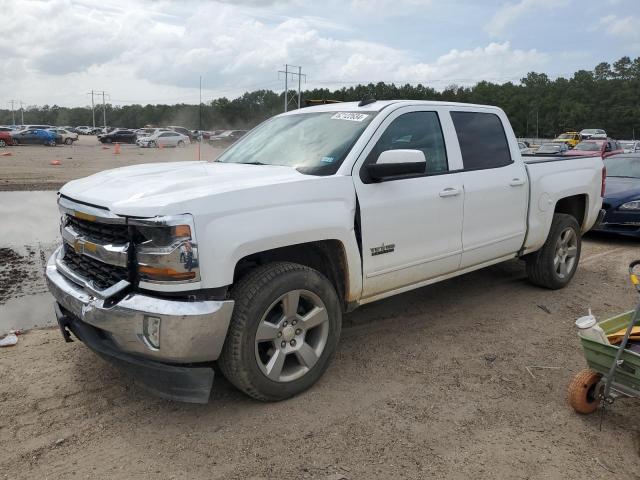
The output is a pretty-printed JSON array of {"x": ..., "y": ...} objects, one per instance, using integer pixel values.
[{"x": 191, "y": 333}]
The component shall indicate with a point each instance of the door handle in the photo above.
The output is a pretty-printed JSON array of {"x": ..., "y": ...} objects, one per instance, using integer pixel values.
[
  {"x": 516, "y": 182},
  {"x": 449, "y": 192}
]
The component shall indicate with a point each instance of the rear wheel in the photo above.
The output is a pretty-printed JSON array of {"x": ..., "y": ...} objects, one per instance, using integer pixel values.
[
  {"x": 152, "y": 144},
  {"x": 582, "y": 392},
  {"x": 555, "y": 264},
  {"x": 285, "y": 327},
  {"x": 107, "y": 140},
  {"x": 180, "y": 143},
  {"x": 2, "y": 143}
]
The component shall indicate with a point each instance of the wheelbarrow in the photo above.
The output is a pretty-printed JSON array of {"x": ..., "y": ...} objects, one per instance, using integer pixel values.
[{"x": 614, "y": 371}]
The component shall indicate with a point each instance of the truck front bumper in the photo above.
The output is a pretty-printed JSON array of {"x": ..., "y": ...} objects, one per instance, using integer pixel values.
[{"x": 190, "y": 333}]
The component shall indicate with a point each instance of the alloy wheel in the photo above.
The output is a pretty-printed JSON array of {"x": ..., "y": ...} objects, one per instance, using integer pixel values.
[{"x": 566, "y": 251}]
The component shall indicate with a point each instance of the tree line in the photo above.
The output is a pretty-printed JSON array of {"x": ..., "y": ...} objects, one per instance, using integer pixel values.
[{"x": 606, "y": 97}]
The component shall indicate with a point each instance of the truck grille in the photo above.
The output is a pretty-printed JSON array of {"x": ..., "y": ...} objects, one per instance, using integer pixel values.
[
  {"x": 102, "y": 233},
  {"x": 101, "y": 274}
]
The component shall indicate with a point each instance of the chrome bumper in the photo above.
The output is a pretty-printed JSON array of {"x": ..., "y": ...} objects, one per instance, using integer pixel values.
[{"x": 190, "y": 332}]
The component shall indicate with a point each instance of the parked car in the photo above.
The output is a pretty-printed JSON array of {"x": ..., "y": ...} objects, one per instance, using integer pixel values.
[
  {"x": 183, "y": 131},
  {"x": 570, "y": 138},
  {"x": 593, "y": 133},
  {"x": 145, "y": 132},
  {"x": 163, "y": 139},
  {"x": 252, "y": 259},
  {"x": 85, "y": 130},
  {"x": 226, "y": 138},
  {"x": 34, "y": 136},
  {"x": 36, "y": 127},
  {"x": 5, "y": 139},
  {"x": 631, "y": 146},
  {"x": 118, "y": 136},
  {"x": 6, "y": 129},
  {"x": 597, "y": 148},
  {"x": 66, "y": 136},
  {"x": 622, "y": 196},
  {"x": 525, "y": 149},
  {"x": 555, "y": 148}
]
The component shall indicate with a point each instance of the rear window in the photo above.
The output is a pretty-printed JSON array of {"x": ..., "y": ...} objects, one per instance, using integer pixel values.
[{"x": 483, "y": 143}]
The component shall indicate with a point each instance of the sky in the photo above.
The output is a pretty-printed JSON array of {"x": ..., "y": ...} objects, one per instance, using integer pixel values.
[{"x": 55, "y": 52}]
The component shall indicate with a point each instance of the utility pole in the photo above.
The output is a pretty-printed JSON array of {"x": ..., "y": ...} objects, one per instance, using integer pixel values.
[
  {"x": 200, "y": 119},
  {"x": 93, "y": 109},
  {"x": 22, "y": 104},
  {"x": 537, "y": 135},
  {"x": 104, "y": 111},
  {"x": 13, "y": 116},
  {"x": 288, "y": 72}
]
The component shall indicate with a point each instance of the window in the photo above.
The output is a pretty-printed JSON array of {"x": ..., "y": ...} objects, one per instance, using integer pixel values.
[
  {"x": 483, "y": 142},
  {"x": 415, "y": 131}
]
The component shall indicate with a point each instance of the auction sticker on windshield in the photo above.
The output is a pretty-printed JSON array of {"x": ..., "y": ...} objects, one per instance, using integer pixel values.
[{"x": 352, "y": 116}]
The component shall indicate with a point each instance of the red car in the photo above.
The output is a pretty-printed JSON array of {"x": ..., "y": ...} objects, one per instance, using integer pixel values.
[
  {"x": 596, "y": 148},
  {"x": 5, "y": 139}
]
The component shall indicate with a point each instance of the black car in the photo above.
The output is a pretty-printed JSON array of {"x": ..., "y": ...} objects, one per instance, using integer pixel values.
[
  {"x": 118, "y": 136},
  {"x": 184, "y": 131},
  {"x": 621, "y": 201}
]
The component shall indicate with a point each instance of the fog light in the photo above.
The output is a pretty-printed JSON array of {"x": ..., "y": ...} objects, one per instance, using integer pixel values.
[{"x": 152, "y": 331}]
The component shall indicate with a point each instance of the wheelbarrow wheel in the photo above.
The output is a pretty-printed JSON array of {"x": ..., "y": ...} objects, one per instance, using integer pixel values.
[{"x": 582, "y": 392}]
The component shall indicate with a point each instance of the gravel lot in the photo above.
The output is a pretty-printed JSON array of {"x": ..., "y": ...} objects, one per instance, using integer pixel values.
[
  {"x": 432, "y": 383},
  {"x": 28, "y": 167}
]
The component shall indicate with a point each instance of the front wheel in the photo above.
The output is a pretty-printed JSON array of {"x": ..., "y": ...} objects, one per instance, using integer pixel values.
[
  {"x": 68, "y": 141},
  {"x": 555, "y": 264},
  {"x": 285, "y": 327},
  {"x": 2, "y": 143},
  {"x": 582, "y": 392},
  {"x": 180, "y": 144}
]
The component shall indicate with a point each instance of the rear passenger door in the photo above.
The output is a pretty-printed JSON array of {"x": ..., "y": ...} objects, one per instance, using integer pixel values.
[{"x": 495, "y": 188}]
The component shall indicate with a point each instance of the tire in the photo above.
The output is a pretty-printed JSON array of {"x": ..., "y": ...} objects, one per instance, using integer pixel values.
[
  {"x": 152, "y": 144},
  {"x": 562, "y": 247},
  {"x": 52, "y": 143},
  {"x": 582, "y": 394},
  {"x": 180, "y": 144},
  {"x": 2, "y": 143},
  {"x": 107, "y": 140},
  {"x": 68, "y": 141},
  {"x": 261, "y": 299}
]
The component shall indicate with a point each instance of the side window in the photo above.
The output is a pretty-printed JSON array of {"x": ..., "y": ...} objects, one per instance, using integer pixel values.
[
  {"x": 483, "y": 142},
  {"x": 415, "y": 131}
]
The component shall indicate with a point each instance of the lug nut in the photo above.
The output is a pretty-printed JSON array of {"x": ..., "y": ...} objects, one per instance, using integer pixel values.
[
  {"x": 298, "y": 331},
  {"x": 279, "y": 334},
  {"x": 283, "y": 344},
  {"x": 285, "y": 323},
  {"x": 294, "y": 322},
  {"x": 293, "y": 343}
]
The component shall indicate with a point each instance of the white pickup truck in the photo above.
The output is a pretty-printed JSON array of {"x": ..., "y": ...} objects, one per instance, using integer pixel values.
[{"x": 250, "y": 261}]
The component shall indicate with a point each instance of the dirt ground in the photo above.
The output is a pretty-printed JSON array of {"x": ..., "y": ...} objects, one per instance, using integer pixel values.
[
  {"x": 429, "y": 384},
  {"x": 28, "y": 167}
]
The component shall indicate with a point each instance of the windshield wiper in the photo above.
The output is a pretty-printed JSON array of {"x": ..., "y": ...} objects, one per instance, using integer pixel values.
[{"x": 622, "y": 176}]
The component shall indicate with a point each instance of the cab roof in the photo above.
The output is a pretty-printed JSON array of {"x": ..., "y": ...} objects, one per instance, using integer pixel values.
[{"x": 379, "y": 105}]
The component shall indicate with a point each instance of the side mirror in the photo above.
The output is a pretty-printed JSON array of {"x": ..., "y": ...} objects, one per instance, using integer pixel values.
[{"x": 393, "y": 163}]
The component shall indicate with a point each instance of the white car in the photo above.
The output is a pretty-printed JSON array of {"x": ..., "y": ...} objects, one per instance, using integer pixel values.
[
  {"x": 593, "y": 133},
  {"x": 163, "y": 139},
  {"x": 67, "y": 137},
  {"x": 630, "y": 146},
  {"x": 524, "y": 148},
  {"x": 251, "y": 260}
]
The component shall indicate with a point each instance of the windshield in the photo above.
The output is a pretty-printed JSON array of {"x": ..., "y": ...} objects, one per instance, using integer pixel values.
[
  {"x": 314, "y": 143},
  {"x": 623, "y": 167},
  {"x": 588, "y": 146},
  {"x": 566, "y": 136}
]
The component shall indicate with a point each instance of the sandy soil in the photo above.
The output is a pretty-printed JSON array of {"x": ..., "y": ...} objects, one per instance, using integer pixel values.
[
  {"x": 429, "y": 384},
  {"x": 28, "y": 167}
]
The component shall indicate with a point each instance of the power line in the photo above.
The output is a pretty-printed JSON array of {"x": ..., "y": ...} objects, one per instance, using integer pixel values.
[{"x": 287, "y": 72}]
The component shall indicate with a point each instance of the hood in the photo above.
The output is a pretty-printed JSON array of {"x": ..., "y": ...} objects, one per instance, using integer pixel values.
[
  {"x": 622, "y": 189},
  {"x": 171, "y": 188}
]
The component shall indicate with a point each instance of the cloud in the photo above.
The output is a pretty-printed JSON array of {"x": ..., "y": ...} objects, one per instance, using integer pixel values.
[
  {"x": 626, "y": 27},
  {"x": 510, "y": 13}
]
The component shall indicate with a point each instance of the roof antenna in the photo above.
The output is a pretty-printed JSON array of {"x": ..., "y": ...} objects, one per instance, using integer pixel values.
[{"x": 366, "y": 101}]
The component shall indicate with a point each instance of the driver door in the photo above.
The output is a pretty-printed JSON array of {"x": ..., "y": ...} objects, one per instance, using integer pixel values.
[{"x": 411, "y": 226}]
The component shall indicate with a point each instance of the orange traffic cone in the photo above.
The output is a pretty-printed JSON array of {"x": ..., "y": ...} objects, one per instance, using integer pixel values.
[
  {"x": 116, "y": 151},
  {"x": 160, "y": 146},
  {"x": 55, "y": 162}
]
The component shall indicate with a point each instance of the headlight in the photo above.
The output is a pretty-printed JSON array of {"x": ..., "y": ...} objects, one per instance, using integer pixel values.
[
  {"x": 633, "y": 205},
  {"x": 167, "y": 251}
]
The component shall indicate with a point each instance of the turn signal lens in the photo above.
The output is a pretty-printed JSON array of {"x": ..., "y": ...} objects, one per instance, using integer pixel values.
[
  {"x": 164, "y": 274},
  {"x": 182, "y": 231}
]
